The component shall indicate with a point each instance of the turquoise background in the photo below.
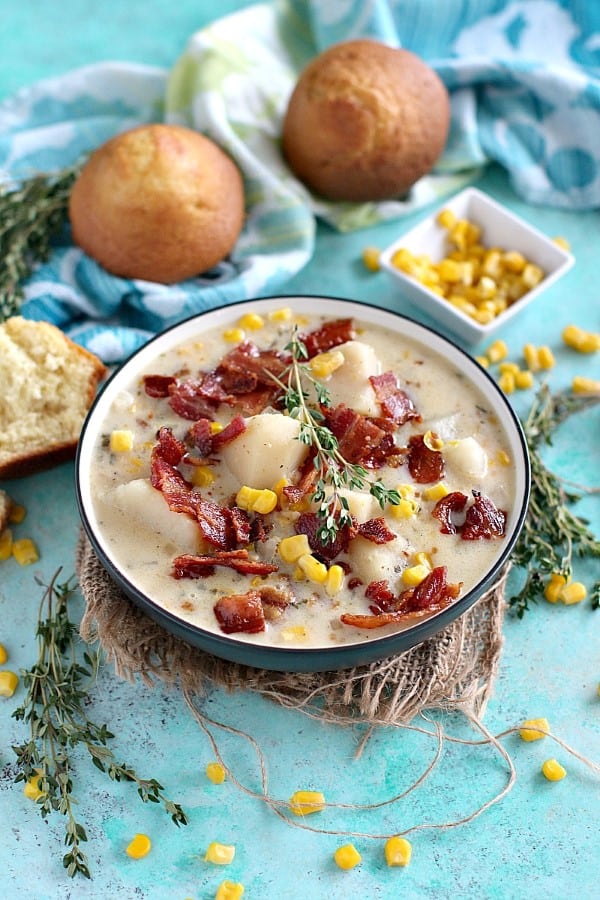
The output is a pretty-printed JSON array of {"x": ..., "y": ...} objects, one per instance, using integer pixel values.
[{"x": 542, "y": 841}]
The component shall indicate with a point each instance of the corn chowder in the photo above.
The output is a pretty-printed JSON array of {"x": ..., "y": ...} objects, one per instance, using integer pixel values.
[{"x": 302, "y": 486}]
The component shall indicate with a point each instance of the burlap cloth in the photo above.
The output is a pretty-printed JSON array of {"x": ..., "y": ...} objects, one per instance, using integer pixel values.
[{"x": 454, "y": 669}]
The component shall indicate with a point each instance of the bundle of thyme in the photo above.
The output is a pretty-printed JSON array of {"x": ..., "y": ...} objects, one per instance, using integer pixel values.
[
  {"x": 552, "y": 533},
  {"x": 57, "y": 694},
  {"x": 304, "y": 398},
  {"x": 31, "y": 215}
]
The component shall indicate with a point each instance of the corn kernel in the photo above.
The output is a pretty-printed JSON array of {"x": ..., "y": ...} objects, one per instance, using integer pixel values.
[
  {"x": 280, "y": 315},
  {"x": 524, "y": 380},
  {"x": 252, "y": 322},
  {"x": 531, "y": 275},
  {"x": 530, "y": 355},
  {"x": 529, "y": 729},
  {"x": 347, "y": 857},
  {"x": 509, "y": 367},
  {"x": 8, "y": 683},
  {"x": 295, "y": 633},
  {"x": 370, "y": 258},
  {"x": 553, "y": 770},
  {"x": 432, "y": 441},
  {"x": 487, "y": 288},
  {"x": 463, "y": 304},
  {"x": 6, "y": 544},
  {"x": 398, "y": 851},
  {"x": 25, "y": 552},
  {"x": 216, "y": 427},
  {"x": 121, "y": 440},
  {"x": 514, "y": 261},
  {"x": 292, "y": 548},
  {"x": 563, "y": 242},
  {"x": 313, "y": 569},
  {"x": 202, "y": 476},
  {"x": 32, "y": 788},
  {"x": 229, "y": 890},
  {"x": 503, "y": 458},
  {"x": 414, "y": 575},
  {"x": 449, "y": 270},
  {"x": 554, "y": 587},
  {"x": 233, "y": 335},
  {"x": 303, "y": 803},
  {"x": 261, "y": 501},
  {"x": 298, "y": 574},
  {"x": 220, "y": 854},
  {"x": 335, "y": 580},
  {"x": 484, "y": 316},
  {"x": 580, "y": 340},
  {"x": 16, "y": 514},
  {"x": 491, "y": 264},
  {"x": 436, "y": 491},
  {"x": 404, "y": 260},
  {"x": 572, "y": 593},
  {"x": 423, "y": 559},
  {"x": 3, "y": 654},
  {"x": 459, "y": 234},
  {"x": 546, "y": 358},
  {"x": 215, "y": 772},
  {"x": 446, "y": 218},
  {"x": 483, "y": 361},
  {"x": 139, "y": 846},
  {"x": 406, "y": 509},
  {"x": 324, "y": 364},
  {"x": 582, "y": 385},
  {"x": 507, "y": 382}
]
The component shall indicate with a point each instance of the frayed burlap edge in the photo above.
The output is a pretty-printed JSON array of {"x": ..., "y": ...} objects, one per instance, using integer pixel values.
[{"x": 454, "y": 669}]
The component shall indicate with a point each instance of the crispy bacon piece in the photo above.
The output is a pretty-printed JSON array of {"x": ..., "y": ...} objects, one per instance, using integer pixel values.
[
  {"x": 360, "y": 439},
  {"x": 395, "y": 403},
  {"x": 200, "y": 435},
  {"x": 240, "y": 522},
  {"x": 305, "y": 485},
  {"x": 483, "y": 520},
  {"x": 231, "y": 431},
  {"x": 377, "y": 531},
  {"x": 383, "y": 599},
  {"x": 431, "y": 595},
  {"x": 308, "y": 524},
  {"x": 189, "y": 401},
  {"x": 443, "y": 509},
  {"x": 240, "y": 612},
  {"x": 190, "y": 566},
  {"x": 329, "y": 335},
  {"x": 169, "y": 447},
  {"x": 424, "y": 465},
  {"x": 246, "y": 367},
  {"x": 158, "y": 385}
]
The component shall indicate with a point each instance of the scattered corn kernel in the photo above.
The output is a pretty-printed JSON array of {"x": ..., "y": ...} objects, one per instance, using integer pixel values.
[
  {"x": 215, "y": 772},
  {"x": 370, "y": 258},
  {"x": 8, "y": 683},
  {"x": 292, "y": 548},
  {"x": 6, "y": 544},
  {"x": 398, "y": 851},
  {"x": 324, "y": 364},
  {"x": 497, "y": 351},
  {"x": 546, "y": 358},
  {"x": 436, "y": 491},
  {"x": 571, "y": 593},
  {"x": 121, "y": 440},
  {"x": 529, "y": 729},
  {"x": 280, "y": 315},
  {"x": 509, "y": 367},
  {"x": 32, "y": 788},
  {"x": 216, "y": 427},
  {"x": 414, "y": 575},
  {"x": 25, "y": 552},
  {"x": 299, "y": 574},
  {"x": 554, "y": 586},
  {"x": 313, "y": 569},
  {"x": 220, "y": 854},
  {"x": 335, "y": 580},
  {"x": 252, "y": 322},
  {"x": 3, "y": 654},
  {"x": 507, "y": 382},
  {"x": 446, "y": 218},
  {"x": 530, "y": 355},
  {"x": 17, "y": 514},
  {"x": 562, "y": 242},
  {"x": 432, "y": 441},
  {"x": 202, "y": 476},
  {"x": 229, "y": 890},
  {"x": 406, "y": 509},
  {"x": 347, "y": 857},
  {"x": 423, "y": 559},
  {"x": 581, "y": 340},
  {"x": 303, "y": 803},
  {"x": 524, "y": 380},
  {"x": 483, "y": 361},
  {"x": 553, "y": 770},
  {"x": 295, "y": 633},
  {"x": 261, "y": 501},
  {"x": 233, "y": 335},
  {"x": 503, "y": 458},
  {"x": 582, "y": 385},
  {"x": 139, "y": 846},
  {"x": 531, "y": 275}
]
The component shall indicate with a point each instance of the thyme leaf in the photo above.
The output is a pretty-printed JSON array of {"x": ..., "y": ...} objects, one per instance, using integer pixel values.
[
  {"x": 55, "y": 709},
  {"x": 31, "y": 215},
  {"x": 552, "y": 533}
]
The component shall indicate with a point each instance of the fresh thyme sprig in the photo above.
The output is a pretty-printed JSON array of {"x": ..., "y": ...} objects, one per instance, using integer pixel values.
[
  {"x": 304, "y": 398},
  {"x": 57, "y": 692},
  {"x": 31, "y": 215},
  {"x": 552, "y": 533}
]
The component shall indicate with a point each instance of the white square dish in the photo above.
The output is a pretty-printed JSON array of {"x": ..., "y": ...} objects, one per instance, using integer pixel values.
[{"x": 499, "y": 228}]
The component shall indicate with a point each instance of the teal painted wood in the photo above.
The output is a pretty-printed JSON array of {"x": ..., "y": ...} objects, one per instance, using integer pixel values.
[{"x": 542, "y": 841}]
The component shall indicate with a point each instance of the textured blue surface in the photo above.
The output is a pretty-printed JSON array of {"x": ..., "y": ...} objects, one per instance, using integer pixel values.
[{"x": 542, "y": 841}]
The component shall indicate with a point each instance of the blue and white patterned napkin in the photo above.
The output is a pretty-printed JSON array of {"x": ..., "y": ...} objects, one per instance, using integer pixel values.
[{"x": 524, "y": 80}]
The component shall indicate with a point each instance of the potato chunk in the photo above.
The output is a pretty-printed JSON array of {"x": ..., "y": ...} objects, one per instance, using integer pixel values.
[
  {"x": 375, "y": 562},
  {"x": 147, "y": 507},
  {"x": 269, "y": 449},
  {"x": 466, "y": 457},
  {"x": 350, "y": 383}
]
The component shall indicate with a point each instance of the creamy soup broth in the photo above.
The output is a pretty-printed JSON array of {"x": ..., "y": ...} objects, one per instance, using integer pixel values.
[{"x": 143, "y": 535}]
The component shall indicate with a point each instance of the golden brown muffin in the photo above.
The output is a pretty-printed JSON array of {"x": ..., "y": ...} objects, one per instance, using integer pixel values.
[
  {"x": 365, "y": 122},
  {"x": 159, "y": 202}
]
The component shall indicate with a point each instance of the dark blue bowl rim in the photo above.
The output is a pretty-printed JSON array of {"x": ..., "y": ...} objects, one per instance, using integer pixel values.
[{"x": 311, "y": 659}]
